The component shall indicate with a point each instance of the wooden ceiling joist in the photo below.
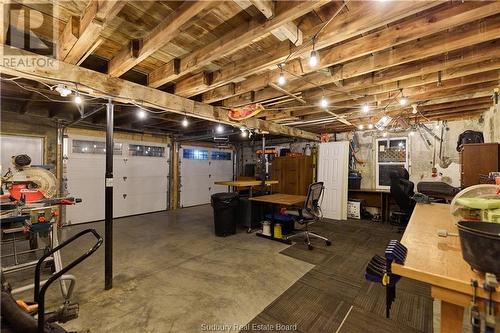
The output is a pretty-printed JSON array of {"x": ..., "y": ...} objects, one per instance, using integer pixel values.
[
  {"x": 406, "y": 53},
  {"x": 99, "y": 84},
  {"x": 234, "y": 40},
  {"x": 80, "y": 34},
  {"x": 130, "y": 55}
]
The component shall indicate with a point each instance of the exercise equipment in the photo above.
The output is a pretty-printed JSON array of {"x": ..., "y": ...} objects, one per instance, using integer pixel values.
[{"x": 378, "y": 270}]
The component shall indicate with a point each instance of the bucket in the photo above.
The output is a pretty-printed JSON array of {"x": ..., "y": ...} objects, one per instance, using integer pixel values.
[
  {"x": 266, "y": 228},
  {"x": 277, "y": 231}
]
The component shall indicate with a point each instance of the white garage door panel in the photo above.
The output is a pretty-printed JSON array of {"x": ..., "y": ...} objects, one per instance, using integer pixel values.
[
  {"x": 198, "y": 177},
  {"x": 140, "y": 184}
]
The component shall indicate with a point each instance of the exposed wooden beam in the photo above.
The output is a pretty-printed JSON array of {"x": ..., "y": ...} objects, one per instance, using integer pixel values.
[
  {"x": 99, "y": 84},
  {"x": 275, "y": 86},
  {"x": 234, "y": 40},
  {"x": 93, "y": 20},
  {"x": 395, "y": 35},
  {"x": 363, "y": 16},
  {"x": 130, "y": 56}
]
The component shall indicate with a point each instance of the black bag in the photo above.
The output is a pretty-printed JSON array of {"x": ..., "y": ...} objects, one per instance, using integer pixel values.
[{"x": 469, "y": 137}]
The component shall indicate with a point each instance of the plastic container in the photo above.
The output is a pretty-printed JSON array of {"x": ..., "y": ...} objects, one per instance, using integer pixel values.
[
  {"x": 225, "y": 207},
  {"x": 477, "y": 203}
]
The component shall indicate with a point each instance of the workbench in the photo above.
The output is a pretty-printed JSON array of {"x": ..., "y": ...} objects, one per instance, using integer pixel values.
[
  {"x": 244, "y": 183},
  {"x": 373, "y": 198},
  {"x": 438, "y": 261}
]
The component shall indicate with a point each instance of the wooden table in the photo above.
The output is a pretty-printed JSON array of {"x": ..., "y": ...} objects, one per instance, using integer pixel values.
[
  {"x": 373, "y": 198},
  {"x": 245, "y": 183},
  {"x": 438, "y": 261},
  {"x": 280, "y": 200}
]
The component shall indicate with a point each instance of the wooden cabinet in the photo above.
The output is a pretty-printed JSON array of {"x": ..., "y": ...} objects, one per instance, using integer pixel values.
[
  {"x": 478, "y": 159},
  {"x": 294, "y": 174}
]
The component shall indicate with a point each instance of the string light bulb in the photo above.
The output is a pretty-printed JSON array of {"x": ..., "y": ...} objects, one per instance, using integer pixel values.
[
  {"x": 78, "y": 99},
  {"x": 141, "y": 114},
  {"x": 313, "y": 58},
  {"x": 185, "y": 122},
  {"x": 244, "y": 133},
  {"x": 403, "y": 100},
  {"x": 384, "y": 134},
  {"x": 281, "y": 77},
  {"x": 360, "y": 126},
  {"x": 414, "y": 110},
  {"x": 366, "y": 108},
  {"x": 370, "y": 126},
  {"x": 323, "y": 102}
]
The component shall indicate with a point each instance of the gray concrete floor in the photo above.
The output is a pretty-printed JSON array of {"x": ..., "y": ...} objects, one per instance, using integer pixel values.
[{"x": 172, "y": 274}]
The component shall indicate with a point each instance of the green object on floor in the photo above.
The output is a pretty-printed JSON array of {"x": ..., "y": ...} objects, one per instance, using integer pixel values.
[{"x": 479, "y": 203}]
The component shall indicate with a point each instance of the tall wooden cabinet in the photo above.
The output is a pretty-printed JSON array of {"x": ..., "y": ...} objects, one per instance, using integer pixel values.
[
  {"x": 294, "y": 174},
  {"x": 478, "y": 159}
]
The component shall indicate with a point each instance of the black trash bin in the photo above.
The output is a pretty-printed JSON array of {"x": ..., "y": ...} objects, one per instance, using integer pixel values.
[{"x": 225, "y": 207}]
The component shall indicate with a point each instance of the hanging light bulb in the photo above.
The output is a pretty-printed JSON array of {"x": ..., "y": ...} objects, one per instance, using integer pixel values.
[
  {"x": 360, "y": 127},
  {"x": 366, "y": 108},
  {"x": 78, "y": 99},
  {"x": 244, "y": 133},
  {"x": 313, "y": 58},
  {"x": 403, "y": 101},
  {"x": 414, "y": 111},
  {"x": 185, "y": 122},
  {"x": 141, "y": 114},
  {"x": 384, "y": 134},
  {"x": 370, "y": 126},
  {"x": 219, "y": 129},
  {"x": 323, "y": 102},
  {"x": 281, "y": 78}
]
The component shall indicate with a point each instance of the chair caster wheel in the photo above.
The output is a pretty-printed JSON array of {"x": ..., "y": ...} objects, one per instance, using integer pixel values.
[
  {"x": 309, "y": 246},
  {"x": 328, "y": 243}
]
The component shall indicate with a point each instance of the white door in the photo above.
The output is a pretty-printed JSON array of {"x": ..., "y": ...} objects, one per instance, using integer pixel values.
[
  {"x": 333, "y": 170},
  {"x": 195, "y": 182},
  {"x": 140, "y": 178},
  {"x": 12, "y": 145}
]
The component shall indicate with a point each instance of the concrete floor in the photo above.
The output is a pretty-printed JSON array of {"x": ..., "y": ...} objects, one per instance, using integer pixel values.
[{"x": 172, "y": 274}]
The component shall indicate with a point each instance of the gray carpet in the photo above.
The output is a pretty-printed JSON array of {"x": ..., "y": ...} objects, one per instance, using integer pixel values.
[{"x": 334, "y": 296}]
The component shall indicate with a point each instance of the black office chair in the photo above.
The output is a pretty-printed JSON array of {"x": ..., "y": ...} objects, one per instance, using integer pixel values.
[
  {"x": 310, "y": 213},
  {"x": 402, "y": 190}
]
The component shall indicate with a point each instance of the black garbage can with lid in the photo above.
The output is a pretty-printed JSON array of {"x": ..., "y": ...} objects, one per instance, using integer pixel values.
[{"x": 225, "y": 207}]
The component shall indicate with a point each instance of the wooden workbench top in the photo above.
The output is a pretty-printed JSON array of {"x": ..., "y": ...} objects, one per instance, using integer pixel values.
[
  {"x": 370, "y": 190},
  {"x": 245, "y": 183},
  {"x": 433, "y": 259},
  {"x": 281, "y": 199}
]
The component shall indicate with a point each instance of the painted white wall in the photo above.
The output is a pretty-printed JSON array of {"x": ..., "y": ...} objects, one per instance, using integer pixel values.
[{"x": 11, "y": 145}]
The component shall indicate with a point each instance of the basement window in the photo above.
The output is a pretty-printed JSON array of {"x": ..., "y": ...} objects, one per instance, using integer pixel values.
[
  {"x": 94, "y": 147},
  {"x": 221, "y": 155},
  {"x": 195, "y": 154},
  {"x": 391, "y": 155},
  {"x": 148, "y": 151}
]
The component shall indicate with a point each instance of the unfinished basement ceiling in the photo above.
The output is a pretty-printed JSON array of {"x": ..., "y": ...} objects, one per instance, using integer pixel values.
[{"x": 442, "y": 57}]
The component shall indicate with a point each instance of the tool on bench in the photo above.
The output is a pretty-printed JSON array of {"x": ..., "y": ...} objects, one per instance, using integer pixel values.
[
  {"x": 475, "y": 318},
  {"x": 490, "y": 285},
  {"x": 379, "y": 270}
]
